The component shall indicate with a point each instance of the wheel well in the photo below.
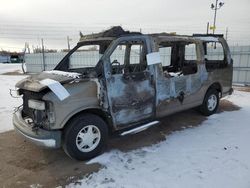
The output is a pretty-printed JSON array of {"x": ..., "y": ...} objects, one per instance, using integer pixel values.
[
  {"x": 216, "y": 86},
  {"x": 104, "y": 115}
]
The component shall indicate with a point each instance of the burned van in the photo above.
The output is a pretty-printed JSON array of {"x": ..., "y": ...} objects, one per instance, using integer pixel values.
[{"x": 120, "y": 82}]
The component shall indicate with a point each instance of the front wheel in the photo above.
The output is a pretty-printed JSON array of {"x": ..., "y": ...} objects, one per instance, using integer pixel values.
[
  {"x": 210, "y": 103},
  {"x": 85, "y": 136}
]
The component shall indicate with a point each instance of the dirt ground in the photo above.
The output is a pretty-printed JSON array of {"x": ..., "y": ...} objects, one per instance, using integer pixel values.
[
  {"x": 23, "y": 164},
  {"x": 242, "y": 88},
  {"x": 13, "y": 73}
]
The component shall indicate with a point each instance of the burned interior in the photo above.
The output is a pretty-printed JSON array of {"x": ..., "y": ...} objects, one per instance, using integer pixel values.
[{"x": 179, "y": 61}]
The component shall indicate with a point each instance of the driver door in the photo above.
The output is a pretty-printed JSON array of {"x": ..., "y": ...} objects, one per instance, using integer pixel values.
[{"x": 130, "y": 90}]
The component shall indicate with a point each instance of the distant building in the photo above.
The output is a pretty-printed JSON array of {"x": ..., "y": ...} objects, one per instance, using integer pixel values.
[
  {"x": 11, "y": 57},
  {"x": 4, "y": 57}
]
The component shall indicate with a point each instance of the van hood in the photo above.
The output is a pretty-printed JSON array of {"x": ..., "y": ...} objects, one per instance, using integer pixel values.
[{"x": 32, "y": 83}]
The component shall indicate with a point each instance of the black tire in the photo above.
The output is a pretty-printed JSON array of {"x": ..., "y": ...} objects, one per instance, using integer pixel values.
[
  {"x": 76, "y": 127},
  {"x": 207, "y": 110}
]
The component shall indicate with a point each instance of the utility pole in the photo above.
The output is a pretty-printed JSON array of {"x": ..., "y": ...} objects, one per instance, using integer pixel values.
[
  {"x": 207, "y": 27},
  {"x": 226, "y": 33},
  {"x": 43, "y": 55},
  {"x": 215, "y": 8},
  {"x": 68, "y": 39}
]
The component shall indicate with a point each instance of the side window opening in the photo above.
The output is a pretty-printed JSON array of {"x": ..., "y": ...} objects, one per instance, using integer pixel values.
[
  {"x": 137, "y": 58},
  {"x": 214, "y": 56},
  {"x": 190, "y": 52},
  {"x": 178, "y": 58},
  {"x": 117, "y": 59},
  {"x": 118, "y": 54},
  {"x": 165, "y": 54},
  {"x": 190, "y": 60},
  {"x": 128, "y": 57}
]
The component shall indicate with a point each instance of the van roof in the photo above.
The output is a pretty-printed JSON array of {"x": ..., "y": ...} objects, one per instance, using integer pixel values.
[{"x": 118, "y": 31}]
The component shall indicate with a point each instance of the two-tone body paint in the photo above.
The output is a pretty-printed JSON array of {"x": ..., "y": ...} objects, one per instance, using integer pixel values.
[{"x": 137, "y": 97}]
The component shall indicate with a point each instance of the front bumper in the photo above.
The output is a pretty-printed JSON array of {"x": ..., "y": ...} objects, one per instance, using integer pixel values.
[{"x": 41, "y": 137}]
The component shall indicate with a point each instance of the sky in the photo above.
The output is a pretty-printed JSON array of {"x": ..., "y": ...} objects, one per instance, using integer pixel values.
[{"x": 31, "y": 20}]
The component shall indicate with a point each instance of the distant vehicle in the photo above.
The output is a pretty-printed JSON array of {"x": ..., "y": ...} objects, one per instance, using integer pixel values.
[
  {"x": 15, "y": 58},
  {"x": 133, "y": 84},
  {"x": 11, "y": 58}
]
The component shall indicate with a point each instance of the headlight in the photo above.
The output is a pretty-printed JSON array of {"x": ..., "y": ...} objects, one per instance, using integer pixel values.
[{"x": 35, "y": 104}]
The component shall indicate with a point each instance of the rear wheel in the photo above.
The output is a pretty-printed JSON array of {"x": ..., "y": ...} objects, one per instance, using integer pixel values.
[
  {"x": 85, "y": 136},
  {"x": 210, "y": 103}
]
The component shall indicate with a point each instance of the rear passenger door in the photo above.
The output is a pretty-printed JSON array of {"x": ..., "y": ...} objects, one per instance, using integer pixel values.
[{"x": 179, "y": 83}]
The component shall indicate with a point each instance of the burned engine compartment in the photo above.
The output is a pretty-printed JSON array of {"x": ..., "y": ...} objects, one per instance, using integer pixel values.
[{"x": 36, "y": 118}]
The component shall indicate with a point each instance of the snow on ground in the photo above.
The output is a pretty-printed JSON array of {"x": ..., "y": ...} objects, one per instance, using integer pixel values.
[
  {"x": 215, "y": 154},
  {"x": 10, "y": 68},
  {"x": 7, "y": 103}
]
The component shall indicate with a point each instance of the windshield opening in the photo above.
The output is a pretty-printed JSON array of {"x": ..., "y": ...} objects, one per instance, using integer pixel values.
[{"x": 84, "y": 57}]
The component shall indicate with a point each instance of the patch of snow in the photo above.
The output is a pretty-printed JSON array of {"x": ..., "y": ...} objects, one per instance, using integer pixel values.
[
  {"x": 10, "y": 68},
  {"x": 175, "y": 74},
  {"x": 7, "y": 103},
  {"x": 62, "y": 73},
  {"x": 215, "y": 154}
]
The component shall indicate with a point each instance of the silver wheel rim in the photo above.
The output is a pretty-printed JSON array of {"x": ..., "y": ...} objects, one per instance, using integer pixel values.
[
  {"x": 88, "y": 138},
  {"x": 211, "y": 102}
]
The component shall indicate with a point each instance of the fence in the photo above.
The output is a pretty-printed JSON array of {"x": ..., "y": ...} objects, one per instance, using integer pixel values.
[
  {"x": 240, "y": 55},
  {"x": 241, "y": 58},
  {"x": 34, "y": 62}
]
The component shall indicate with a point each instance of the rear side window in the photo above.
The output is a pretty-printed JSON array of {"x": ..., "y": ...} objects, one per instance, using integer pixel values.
[
  {"x": 214, "y": 51},
  {"x": 214, "y": 56}
]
